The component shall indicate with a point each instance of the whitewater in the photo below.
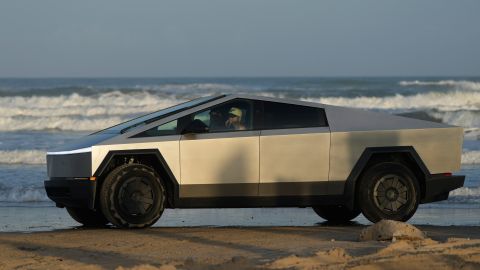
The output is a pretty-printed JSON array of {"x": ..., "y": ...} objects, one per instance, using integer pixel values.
[
  {"x": 88, "y": 113},
  {"x": 456, "y": 103}
]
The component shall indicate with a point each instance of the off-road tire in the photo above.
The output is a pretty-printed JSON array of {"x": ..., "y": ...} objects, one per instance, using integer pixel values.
[
  {"x": 336, "y": 213},
  {"x": 388, "y": 190},
  {"x": 87, "y": 217},
  {"x": 132, "y": 187}
]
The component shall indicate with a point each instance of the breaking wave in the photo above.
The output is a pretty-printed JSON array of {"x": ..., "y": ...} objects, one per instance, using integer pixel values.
[
  {"x": 471, "y": 157},
  {"x": 459, "y": 118},
  {"x": 23, "y": 194},
  {"x": 22, "y": 157},
  {"x": 460, "y": 85},
  {"x": 459, "y": 108},
  {"x": 110, "y": 103},
  {"x": 465, "y": 195},
  {"x": 60, "y": 123},
  {"x": 75, "y": 112},
  {"x": 449, "y": 101},
  {"x": 466, "y": 191},
  {"x": 90, "y": 112}
]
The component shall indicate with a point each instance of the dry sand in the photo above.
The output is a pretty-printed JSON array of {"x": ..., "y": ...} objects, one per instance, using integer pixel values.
[{"x": 319, "y": 247}]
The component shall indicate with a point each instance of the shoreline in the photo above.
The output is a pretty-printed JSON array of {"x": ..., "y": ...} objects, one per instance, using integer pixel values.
[{"x": 45, "y": 217}]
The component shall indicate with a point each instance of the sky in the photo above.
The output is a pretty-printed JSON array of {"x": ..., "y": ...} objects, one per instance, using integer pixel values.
[{"x": 113, "y": 38}]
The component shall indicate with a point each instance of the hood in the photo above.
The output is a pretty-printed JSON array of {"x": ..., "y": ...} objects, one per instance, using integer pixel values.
[{"x": 81, "y": 145}]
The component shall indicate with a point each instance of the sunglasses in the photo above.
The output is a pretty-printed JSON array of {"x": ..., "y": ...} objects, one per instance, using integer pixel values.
[{"x": 232, "y": 115}]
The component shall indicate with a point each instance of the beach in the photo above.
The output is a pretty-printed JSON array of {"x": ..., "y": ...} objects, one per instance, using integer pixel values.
[
  {"x": 260, "y": 238},
  {"x": 274, "y": 247},
  {"x": 38, "y": 115},
  {"x": 348, "y": 111}
]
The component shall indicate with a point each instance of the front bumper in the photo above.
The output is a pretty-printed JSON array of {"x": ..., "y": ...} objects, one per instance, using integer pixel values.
[
  {"x": 72, "y": 192},
  {"x": 437, "y": 187}
]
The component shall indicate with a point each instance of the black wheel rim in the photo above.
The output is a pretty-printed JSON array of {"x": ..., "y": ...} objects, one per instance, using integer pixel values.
[
  {"x": 390, "y": 193},
  {"x": 136, "y": 197}
]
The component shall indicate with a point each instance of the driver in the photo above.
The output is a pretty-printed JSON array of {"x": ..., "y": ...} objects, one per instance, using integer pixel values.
[{"x": 234, "y": 120}]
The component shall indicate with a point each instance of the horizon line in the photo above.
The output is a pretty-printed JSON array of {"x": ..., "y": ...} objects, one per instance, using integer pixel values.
[{"x": 235, "y": 77}]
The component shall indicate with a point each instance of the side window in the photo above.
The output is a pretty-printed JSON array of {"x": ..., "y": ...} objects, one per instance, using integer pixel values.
[
  {"x": 169, "y": 128},
  {"x": 204, "y": 117},
  {"x": 231, "y": 116},
  {"x": 280, "y": 115}
]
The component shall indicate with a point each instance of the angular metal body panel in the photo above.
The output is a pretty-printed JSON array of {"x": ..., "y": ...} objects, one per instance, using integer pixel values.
[
  {"x": 168, "y": 147},
  {"x": 440, "y": 148},
  {"x": 294, "y": 155},
  {"x": 220, "y": 158},
  {"x": 84, "y": 142},
  {"x": 342, "y": 119}
]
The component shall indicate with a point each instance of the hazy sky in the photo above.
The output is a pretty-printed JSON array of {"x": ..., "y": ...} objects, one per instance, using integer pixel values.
[{"x": 238, "y": 38}]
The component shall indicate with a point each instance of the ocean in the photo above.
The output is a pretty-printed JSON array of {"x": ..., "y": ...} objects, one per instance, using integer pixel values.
[{"x": 41, "y": 114}]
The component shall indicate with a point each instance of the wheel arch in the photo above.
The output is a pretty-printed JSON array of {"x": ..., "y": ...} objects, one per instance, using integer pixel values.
[
  {"x": 372, "y": 155},
  {"x": 149, "y": 157}
]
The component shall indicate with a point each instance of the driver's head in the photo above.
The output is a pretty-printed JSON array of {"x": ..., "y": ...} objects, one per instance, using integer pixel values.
[{"x": 235, "y": 114}]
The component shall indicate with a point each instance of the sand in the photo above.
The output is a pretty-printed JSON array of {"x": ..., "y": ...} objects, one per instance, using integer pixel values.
[{"x": 315, "y": 247}]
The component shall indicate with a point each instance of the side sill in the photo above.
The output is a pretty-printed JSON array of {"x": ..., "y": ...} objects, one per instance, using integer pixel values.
[{"x": 254, "y": 201}]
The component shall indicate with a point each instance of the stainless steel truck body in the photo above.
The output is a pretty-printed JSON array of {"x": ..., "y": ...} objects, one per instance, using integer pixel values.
[{"x": 248, "y": 151}]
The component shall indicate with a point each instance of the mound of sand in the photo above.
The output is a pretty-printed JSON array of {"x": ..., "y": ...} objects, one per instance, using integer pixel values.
[
  {"x": 332, "y": 257},
  {"x": 390, "y": 230}
]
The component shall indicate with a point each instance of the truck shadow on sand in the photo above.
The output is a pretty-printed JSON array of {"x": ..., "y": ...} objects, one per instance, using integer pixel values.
[{"x": 105, "y": 259}]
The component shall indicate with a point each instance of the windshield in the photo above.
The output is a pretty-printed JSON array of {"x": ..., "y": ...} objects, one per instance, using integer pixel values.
[{"x": 151, "y": 117}]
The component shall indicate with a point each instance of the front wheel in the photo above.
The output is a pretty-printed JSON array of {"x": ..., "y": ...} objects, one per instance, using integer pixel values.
[
  {"x": 87, "y": 217},
  {"x": 336, "y": 213},
  {"x": 388, "y": 190},
  {"x": 132, "y": 196}
]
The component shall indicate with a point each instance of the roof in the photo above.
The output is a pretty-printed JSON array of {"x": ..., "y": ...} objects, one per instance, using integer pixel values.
[{"x": 351, "y": 119}]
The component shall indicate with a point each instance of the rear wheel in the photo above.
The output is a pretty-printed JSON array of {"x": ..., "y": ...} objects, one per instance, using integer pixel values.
[
  {"x": 336, "y": 213},
  {"x": 388, "y": 190},
  {"x": 87, "y": 217},
  {"x": 132, "y": 196}
]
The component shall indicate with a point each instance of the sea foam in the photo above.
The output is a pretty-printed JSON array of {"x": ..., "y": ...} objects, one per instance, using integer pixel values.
[
  {"x": 110, "y": 103},
  {"x": 22, "y": 157},
  {"x": 471, "y": 157},
  {"x": 461, "y": 85},
  {"x": 442, "y": 101},
  {"x": 75, "y": 112},
  {"x": 23, "y": 194},
  {"x": 465, "y": 195}
]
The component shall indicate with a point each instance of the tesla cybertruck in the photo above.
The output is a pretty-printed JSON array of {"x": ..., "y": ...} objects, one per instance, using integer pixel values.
[{"x": 245, "y": 151}]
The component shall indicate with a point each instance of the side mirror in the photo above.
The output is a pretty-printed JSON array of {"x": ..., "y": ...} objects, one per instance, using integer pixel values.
[{"x": 196, "y": 126}]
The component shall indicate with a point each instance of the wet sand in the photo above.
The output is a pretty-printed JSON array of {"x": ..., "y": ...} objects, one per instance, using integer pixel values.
[
  {"x": 309, "y": 247},
  {"x": 45, "y": 217}
]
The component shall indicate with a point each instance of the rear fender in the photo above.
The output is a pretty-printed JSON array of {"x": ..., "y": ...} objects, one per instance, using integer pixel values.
[{"x": 369, "y": 155}]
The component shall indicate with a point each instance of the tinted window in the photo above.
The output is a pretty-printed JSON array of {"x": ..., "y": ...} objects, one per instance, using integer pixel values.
[
  {"x": 280, "y": 115},
  {"x": 169, "y": 128},
  {"x": 149, "y": 118},
  {"x": 229, "y": 116}
]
